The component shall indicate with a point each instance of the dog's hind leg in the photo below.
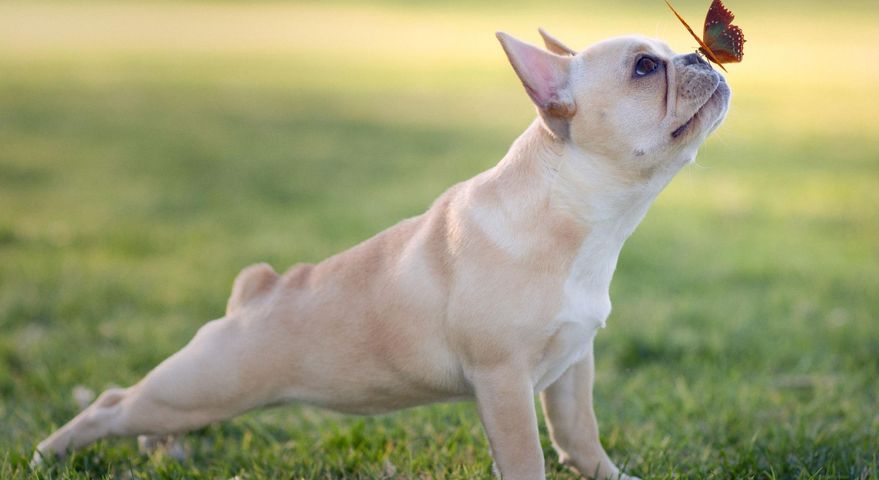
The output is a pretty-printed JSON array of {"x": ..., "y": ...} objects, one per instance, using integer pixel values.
[
  {"x": 170, "y": 445},
  {"x": 218, "y": 375},
  {"x": 215, "y": 377}
]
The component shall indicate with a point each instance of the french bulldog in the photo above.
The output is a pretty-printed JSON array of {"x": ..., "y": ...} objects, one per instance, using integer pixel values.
[{"x": 494, "y": 294}]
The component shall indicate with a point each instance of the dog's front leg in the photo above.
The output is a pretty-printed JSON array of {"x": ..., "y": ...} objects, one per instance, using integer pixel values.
[
  {"x": 505, "y": 398},
  {"x": 567, "y": 406}
]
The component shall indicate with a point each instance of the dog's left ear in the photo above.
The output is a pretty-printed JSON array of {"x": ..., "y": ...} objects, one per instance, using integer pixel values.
[
  {"x": 555, "y": 45},
  {"x": 545, "y": 76}
]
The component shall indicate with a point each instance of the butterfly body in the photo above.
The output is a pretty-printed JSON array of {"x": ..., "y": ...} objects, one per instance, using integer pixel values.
[{"x": 721, "y": 42}]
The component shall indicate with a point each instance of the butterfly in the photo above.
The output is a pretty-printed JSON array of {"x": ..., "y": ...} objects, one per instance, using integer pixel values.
[{"x": 721, "y": 42}]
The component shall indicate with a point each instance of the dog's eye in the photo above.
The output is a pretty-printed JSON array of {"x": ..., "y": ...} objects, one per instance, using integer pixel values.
[{"x": 645, "y": 66}]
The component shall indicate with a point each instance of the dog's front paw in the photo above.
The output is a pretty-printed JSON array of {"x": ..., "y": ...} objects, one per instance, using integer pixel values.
[
  {"x": 617, "y": 474},
  {"x": 623, "y": 476},
  {"x": 596, "y": 469}
]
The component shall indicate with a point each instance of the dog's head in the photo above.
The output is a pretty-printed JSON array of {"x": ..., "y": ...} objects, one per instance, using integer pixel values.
[{"x": 630, "y": 101}]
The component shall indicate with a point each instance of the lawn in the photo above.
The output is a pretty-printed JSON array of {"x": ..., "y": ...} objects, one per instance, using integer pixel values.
[{"x": 149, "y": 151}]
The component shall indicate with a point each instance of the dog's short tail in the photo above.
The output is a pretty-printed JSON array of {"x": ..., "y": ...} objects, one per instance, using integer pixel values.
[{"x": 253, "y": 282}]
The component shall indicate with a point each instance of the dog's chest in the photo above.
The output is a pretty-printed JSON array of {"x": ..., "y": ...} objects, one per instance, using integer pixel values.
[{"x": 584, "y": 308}]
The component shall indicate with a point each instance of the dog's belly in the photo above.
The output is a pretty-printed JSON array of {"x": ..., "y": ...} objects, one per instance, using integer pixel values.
[
  {"x": 373, "y": 389},
  {"x": 353, "y": 373},
  {"x": 373, "y": 402}
]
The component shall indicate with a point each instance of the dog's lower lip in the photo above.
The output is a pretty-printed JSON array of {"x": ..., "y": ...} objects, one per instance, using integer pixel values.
[
  {"x": 683, "y": 127},
  {"x": 678, "y": 131}
]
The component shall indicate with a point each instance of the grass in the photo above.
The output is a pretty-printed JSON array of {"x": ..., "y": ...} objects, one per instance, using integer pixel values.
[{"x": 142, "y": 167}]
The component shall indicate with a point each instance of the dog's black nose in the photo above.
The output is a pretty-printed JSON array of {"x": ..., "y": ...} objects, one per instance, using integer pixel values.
[{"x": 693, "y": 59}]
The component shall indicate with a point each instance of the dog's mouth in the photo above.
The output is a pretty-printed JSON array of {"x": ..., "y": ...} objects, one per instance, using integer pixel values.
[{"x": 683, "y": 128}]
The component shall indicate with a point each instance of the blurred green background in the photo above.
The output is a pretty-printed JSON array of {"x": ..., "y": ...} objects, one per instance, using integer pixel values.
[{"x": 150, "y": 150}]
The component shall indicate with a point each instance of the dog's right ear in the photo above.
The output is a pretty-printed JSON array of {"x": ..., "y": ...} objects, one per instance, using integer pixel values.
[
  {"x": 545, "y": 76},
  {"x": 555, "y": 45}
]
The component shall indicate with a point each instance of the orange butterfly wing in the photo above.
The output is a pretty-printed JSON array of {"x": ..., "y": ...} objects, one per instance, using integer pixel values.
[
  {"x": 725, "y": 39},
  {"x": 705, "y": 48}
]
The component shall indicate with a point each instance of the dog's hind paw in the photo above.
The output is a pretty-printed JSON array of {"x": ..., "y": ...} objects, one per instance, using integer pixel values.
[
  {"x": 170, "y": 445},
  {"x": 37, "y": 461}
]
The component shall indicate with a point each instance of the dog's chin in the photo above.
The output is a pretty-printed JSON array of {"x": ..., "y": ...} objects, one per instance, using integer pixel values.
[{"x": 709, "y": 116}]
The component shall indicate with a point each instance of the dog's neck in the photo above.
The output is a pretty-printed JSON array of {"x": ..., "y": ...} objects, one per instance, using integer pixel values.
[
  {"x": 547, "y": 193},
  {"x": 586, "y": 187}
]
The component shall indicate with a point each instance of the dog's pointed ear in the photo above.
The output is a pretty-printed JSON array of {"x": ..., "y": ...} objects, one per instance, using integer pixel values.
[
  {"x": 555, "y": 45},
  {"x": 545, "y": 76}
]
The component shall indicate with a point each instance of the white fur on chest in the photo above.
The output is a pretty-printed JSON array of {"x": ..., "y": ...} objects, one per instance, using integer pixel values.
[
  {"x": 585, "y": 305},
  {"x": 586, "y": 296},
  {"x": 611, "y": 209}
]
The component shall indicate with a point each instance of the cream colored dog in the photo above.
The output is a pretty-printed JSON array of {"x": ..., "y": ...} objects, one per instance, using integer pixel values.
[{"x": 494, "y": 294}]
